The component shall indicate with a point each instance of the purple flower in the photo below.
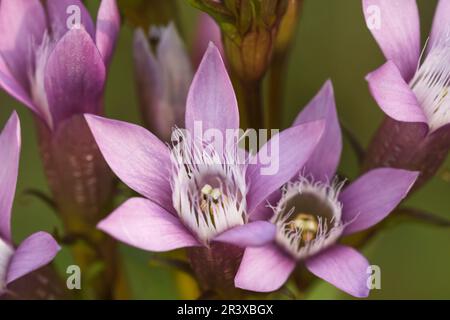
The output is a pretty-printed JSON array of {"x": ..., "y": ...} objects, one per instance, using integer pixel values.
[
  {"x": 38, "y": 249},
  {"x": 196, "y": 191},
  {"x": 52, "y": 64},
  {"x": 412, "y": 89},
  {"x": 163, "y": 75},
  {"x": 312, "y": 214},
  {"x": 55, "y": 63}
]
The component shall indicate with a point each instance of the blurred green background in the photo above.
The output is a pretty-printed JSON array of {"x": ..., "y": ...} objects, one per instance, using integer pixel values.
[{"x": 332, "y": 42}]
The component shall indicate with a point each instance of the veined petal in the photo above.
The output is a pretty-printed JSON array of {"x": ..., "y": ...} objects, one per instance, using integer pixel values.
[
  {"x": 63, "y": 14},
  {"x": 264, "y": 269},
  {"x": 393, "y": 94},
  {"x": 9, "y": 158},
  {"x": 33, "y": 253},
  {"x": 441, "y": 23},
  {"x": 20, "y": 35},
  {"x": 9, "y": 83},
  {"x": 373, "y": 196},
  {"x": 253, "y": 234},
  {"x": 145, "y": 225},
  {"x": 324, "y": 161},
  {"x": 108, "y": 25},
  {"x": 74, "y": 77},
  {"x": 136, "y": 156},
  {"x": 395, "y": 26},
  {"x": 280, "y": 159},
  {"x": 211, "y": 100},
  {"x": 343, "y": 267}
]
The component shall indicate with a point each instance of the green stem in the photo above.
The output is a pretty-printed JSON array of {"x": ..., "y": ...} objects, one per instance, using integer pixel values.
[{"x": 250, "y": 100}]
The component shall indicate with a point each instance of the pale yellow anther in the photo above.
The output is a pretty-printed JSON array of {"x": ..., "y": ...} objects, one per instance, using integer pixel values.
[{"x": 307, "y": 223}]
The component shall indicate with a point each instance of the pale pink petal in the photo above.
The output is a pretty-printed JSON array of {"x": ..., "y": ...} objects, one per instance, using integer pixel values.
[
  {"x": 280, "y": 160},
  {"x": 253, "y": 234},
  {"x": 9, "y": 158},
  {"x": 396, "y": 27},
  {"x": 393, "y": 94},
  {"x": 343, "y": 267},
  {"x": 264, "y": 269},
  {"x": 211, "y": 101},
  {"x": 324, "y": 161},
  {"x": 108, "y": 26},
  {"x": 145, "y": 225},
  {"x": 373, "y": 196},
  {"x": 136, "y": 156},
  {"x": 33, "y": 253}
]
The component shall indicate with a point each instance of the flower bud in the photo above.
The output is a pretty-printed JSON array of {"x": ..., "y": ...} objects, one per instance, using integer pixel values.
[{"x": 163, "y": 74}]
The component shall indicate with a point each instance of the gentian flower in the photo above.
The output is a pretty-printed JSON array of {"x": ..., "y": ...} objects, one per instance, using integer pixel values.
[
  {"x": 197, "y": 192},
  {"x": 56, "y": 66},
  {"x": 38, "y": 249},
  {"x": 410, "y": 88},
  {"x": 312, "y": 214},
  {"x": 163, "y": 75}
]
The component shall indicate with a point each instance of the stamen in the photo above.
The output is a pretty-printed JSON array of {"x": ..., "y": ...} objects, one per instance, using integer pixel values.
[
  {"x": 431, "y": 84},
  {"x": 317, "y": 223},
  {"x": 209, "y": 188}
]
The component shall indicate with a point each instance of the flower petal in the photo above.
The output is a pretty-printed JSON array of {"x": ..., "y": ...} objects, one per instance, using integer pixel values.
[
  {"x": 74, "y": 76},
  {"x": 211, "y": 100},
  {"x": 280, "y": 159},
  {"x": 9, "y": 158},
  {"x": 33, "y": 253},
  {"x": 20, "y": 35},
  {"x": 324, "y": 161},
  {"x": 108, "y": 26},
  {"x": 62, "y": 15},
  {"x": 393, "y": 94},
  {"x": 396, "y": 27},
  {"x": 13, "y": 87},
  {"x": 253, "y": 234},
  {"x": 373, "y": 196},
  {"x": 343, "y": 267},
  {"x": 136, "y": 156},
  {"x": 264, "y": 269},
  {"x": 145, "y": 225},
  {"x": 441, "y": 24}
]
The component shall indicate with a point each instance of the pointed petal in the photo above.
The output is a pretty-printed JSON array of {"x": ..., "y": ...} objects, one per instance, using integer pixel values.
[
  {"x": 373, "y": 196},
  {"x": 280, "y": 159},
  {"x": 62, "y": 14},
  {"x": 264, "y": 269},
  {"x": 74, "y": 77},
  {"x": 394, "y": 95},
  {"x": 9, "y": 158},
  {"x": 343, "y": 267},
  {"x": 396, "y": 27},
  {"x": 211, "y": 100},
  {"x": 324, "y": 161},
  {"x": 108, "y": 26},
  {"x": 253, "y": 234},
  {"x": 441, "y": 23},
  {"x": 33, "y": 253},
  {"x": 13, "y": 87},
  {"x": 145, "y": 225},
  {"x": 20, "y": 35},
  {"x": 136, "y": 156}
]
